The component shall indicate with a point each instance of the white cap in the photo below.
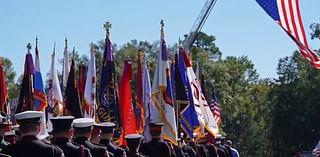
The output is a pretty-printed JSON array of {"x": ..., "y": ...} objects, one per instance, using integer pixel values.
[
  {"x": 133, "y": 136},
  {"x": 10, "y": 133},
  {"x": 43, "y": 136},
  {"x": 82, "y": 122},
  {"x": 28, "y": 115}
]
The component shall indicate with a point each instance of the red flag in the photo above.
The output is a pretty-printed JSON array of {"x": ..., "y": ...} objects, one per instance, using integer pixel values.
[
  {"x": 81, "y": 83},
  {"x": 26, "y": 95},
  {"x": 3, "y": 89},
  {"x": 139, "y": 96},
  {"x": 126, "y": 109}
]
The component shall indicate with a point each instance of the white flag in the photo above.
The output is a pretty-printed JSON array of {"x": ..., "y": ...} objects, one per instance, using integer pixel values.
[
  {"x": 55, "y": 99},
  {"x": 90, "y": 89},
  {"x": 162, "y": 109},
  {"x": 146, "y": 93}
]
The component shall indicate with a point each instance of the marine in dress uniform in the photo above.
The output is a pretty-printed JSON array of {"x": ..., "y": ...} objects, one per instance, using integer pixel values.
[
  {"x": 95, "y": 134},
  {"x": 223, "y": 146},
  {"x": 107, "y": 131},
  {"x": 3, "y": 126},
  {"x": 156, "y": 147},
  {"x": 189, "y": 147},
  {"x": 10, "y": 137},
  {"x": 133, "y": 142},
  {"x": 234, "y": 151},
  {"x": 82, "y": 132},
  {"x": 30, "y": 145},
  {"x": 62, "y": 134},
  {"x": 201, "y": 148},
  {"x": 221, "y": 152}
]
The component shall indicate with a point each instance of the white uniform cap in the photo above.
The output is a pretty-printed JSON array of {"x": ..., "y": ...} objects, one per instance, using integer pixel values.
[
  {"x": 28, "y": 115},
  {"x": 82, "y": 122},
  {"x": 10, "y": 133},
  {"x": 133, "y": 136}
]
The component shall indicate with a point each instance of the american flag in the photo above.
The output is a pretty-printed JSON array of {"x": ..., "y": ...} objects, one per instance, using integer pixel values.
[
  {"x": 215, "y": 107},
  {"x": 287, "y": 14}
]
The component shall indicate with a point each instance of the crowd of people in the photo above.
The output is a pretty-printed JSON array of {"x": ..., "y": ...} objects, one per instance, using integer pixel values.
[{"x": 82, "y": 137}]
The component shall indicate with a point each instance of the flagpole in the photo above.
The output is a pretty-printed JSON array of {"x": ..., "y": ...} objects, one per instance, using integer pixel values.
[
  {"x": 161, "y": 87},
  {"x": 31, "y": 78}
]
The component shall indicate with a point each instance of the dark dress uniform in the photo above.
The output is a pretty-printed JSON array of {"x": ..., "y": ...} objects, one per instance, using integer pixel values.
[
  {"x": 179, "y": 152},
  {"x": 202, "y": 150},
  {"x": 32, "y": 146},
  {"x": 133, "y": 142},
  {"x": 62, "y": 125},
  {"x": 221, "y": 152},
  {"x": 84, "y": 125},
  {"x": 156, "y": 147},
  {"x": 95, "y": 150},
  {"x": 113, "y": 148},
  {"x": 190, "y": 149},
  {"x": 211, "y": 149},
  {"x": 71, "y": 149},
  {"x": 100, "y": 145},
  {"x": 108, "y": 128}
]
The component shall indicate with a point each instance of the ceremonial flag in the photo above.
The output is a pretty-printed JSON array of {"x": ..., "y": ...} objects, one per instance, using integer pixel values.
[
  {"x": 200, "y": 78},
  {"x": 126, "y": 109},
  {"x": 203, "y": 89},
  {"x": 90, "y": 106},
  {"x": 146, "y": 86},
  {"x": 188, "y": 116},
  {"x": 139, "y": 95},
  {"x": 81, "y": 82},
  {"x": 108, "y": 109},
  {"x": 287, "y": 14},
  {"x": 215, "y": 107},
  {"x": 71, "y": 96},
  {"x": 3, "y": 89},
  {"x": 40, "y": 98},
  {"x": 66, "y": 65},
  {"x": 162, "y": 95},
  {"x": 55, "y": 107},
  {"x": 202, "y": 108},
  {"x": 25, "y": 97}
]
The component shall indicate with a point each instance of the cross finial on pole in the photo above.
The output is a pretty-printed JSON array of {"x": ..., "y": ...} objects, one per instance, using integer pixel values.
[
  {"x": 179, "y": 42},
  {"x": 161, "y": 23},
  {"x": 73, "y": 52},
  {"x": 36, "y": 41},
  {"x": 92, "y": 48},
  {"x": 107, "y": 25},
  {"x": 28, "y": 47},
  {"x": 66, "y": 42}
]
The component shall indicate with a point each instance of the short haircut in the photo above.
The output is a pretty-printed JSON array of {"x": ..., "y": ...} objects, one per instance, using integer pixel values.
[
  {"x": 82, "y": 130},
  {"x": 28, "y": 127}
]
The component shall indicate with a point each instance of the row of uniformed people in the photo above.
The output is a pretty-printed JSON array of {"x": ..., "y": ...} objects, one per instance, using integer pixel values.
[{"x": 75, "y": 137}]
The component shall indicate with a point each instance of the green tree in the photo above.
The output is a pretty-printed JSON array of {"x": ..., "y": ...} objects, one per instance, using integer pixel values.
[
  {"x": 13, "y": 88},
  {"x": 296, "y": 108},
  {"x": 315, "y": 28}
]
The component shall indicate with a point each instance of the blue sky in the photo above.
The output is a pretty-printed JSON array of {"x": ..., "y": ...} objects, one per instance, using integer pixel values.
[{"x": 241, "y": 27}]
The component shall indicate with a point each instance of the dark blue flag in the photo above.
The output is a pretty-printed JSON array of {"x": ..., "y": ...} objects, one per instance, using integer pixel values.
[{"x": 108, "y": 110}]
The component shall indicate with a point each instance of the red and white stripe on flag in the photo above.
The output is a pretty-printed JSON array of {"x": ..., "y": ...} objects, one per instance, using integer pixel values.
[
  {"x": 291, "y": 22},
  {"x": 215, "y": 109}
]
